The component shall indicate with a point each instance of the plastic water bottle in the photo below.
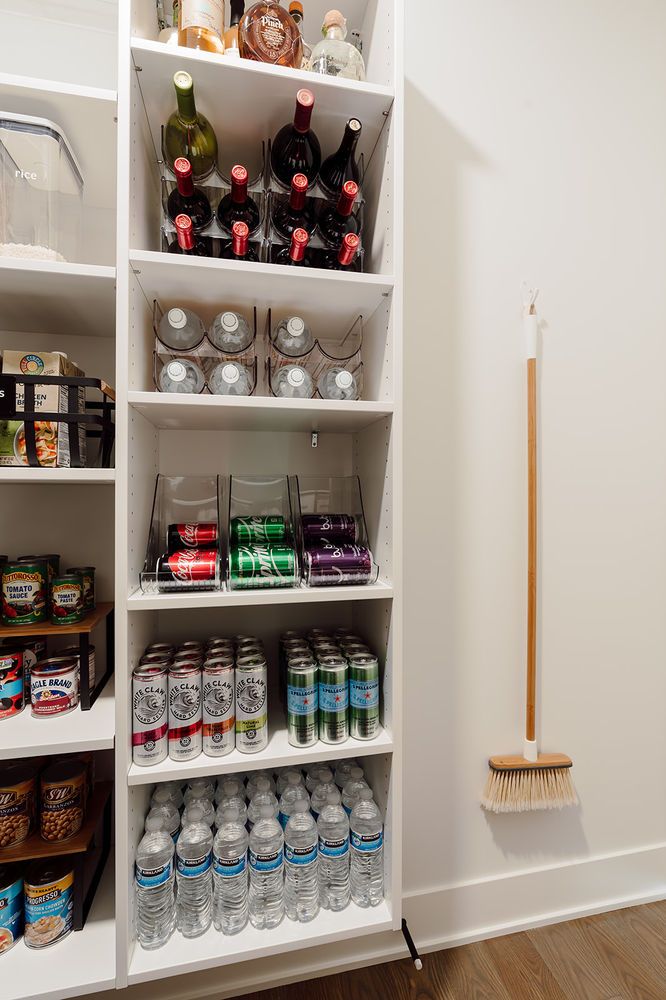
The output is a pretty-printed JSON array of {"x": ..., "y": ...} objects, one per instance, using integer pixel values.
[
  {"x": 168, "y": 791},
  {"x": 301, "y": 883},
  {"x": 266, "y": 858},
  {"x": 292, "y": 382},
  {"x": 171, "y": 818},
  {"x": 343, "y": 772},
  {"x": 338, "y": 383},
  {"x": 314, "y": 776},
  {"x": 163, "y": 799},
  {"x": 194, "y": 909},
  {"x": 154, "y": 880},
  {"x": 205, "y": 806},
  {"x": 229, "y": 788},
  {"x": 284, "y": 779},
  {"x": 199, "y": 787},
  {"x": 257, "y": 804},
  {"x": 293, "y": 793},
  {"x": 353, "y": 789},
  {"x": 254, "y": 778},
  {"x": 367, "y": 852},
  {"x": 293, "y": 337},
  {"x": 325, "y": 791},
  {"x": 333, "y": 830},
  {"x": 181, "y": 329},
  {"x": 230, "y": 332},
  {"x": 230, "y": 378},
  {"x": 234, "y": 803},
  {"x": 230, "y": 878}
]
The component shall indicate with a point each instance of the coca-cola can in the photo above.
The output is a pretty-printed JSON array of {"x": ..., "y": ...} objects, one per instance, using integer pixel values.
[
  {"x": 329, "y": 528},
  {"x": 189, "y": 569},
  {"x": 196, "y": 535},
  {"x": 185, "y": 718},
  {"x": 219, "y": 707},
  {"x": 331, "y": 564},
  {"x": 150, "y": 719}
]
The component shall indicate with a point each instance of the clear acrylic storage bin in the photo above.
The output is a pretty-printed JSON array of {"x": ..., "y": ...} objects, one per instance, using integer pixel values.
[
  {"x": 184, "y": 540},
  {"x": 331, "y": 531},
  {"x": 322, "y": 362},
  {"x": 262, "y": 549}
]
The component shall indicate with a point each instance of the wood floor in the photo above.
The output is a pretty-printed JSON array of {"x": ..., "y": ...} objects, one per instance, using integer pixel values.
[{"x": 613, "y": 956}]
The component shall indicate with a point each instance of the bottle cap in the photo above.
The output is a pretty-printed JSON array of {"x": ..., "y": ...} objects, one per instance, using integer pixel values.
[
  {"x": 296, "y": 6},
  {"x": 299, "y": 241},
  {"x": 177, "y": 318},
  {"x": 176, "y": 371},
  {"x": 182, "y": 167},
  {"x": 230, "y": 374},
  {"x": 334, "y": 19},
  {"x": 154, "y": 823},
  {"x": 239, "y": 174},
  {"x": 350, "y": 245},
  {"x": 354, "y": 125},
  {"x": 304, "y": 106},
  {"x": 296, "y": 377},
  {"x": 231, "y": 786},
  {"x": 229, "y": 321},
  {"x": 182, "y": 81},
  {"x": 299, "y": 182},
  {"x": 162, "y": 793},
  {"x": 240, "y": 233},
  {"x": 295, "y": 326},
  {"x": 344, "y": 380},
  {"x": 184, "y": 232}
]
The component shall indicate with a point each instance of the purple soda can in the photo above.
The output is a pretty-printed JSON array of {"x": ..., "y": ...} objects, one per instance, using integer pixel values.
[
  {"x": 329, "y": 564},
  {"x": 329, "y": 528}
]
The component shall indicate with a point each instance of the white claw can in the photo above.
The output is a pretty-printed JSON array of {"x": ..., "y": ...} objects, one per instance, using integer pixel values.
[
  {"x": 185, "y": 719},
  {"x": 150, "y": 716},
  {"x": 251, "y": 703},
  {"x": 219, "y": 706}
]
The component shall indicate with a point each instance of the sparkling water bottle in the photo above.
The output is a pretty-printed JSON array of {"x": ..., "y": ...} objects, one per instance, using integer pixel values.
[
  {"x": 301, "y": 884},
  {"x": 313, "y": 776},
  {"x": 343, "y": 772},
  {"x": 367, "y": 851},
  {"x": 293, "y": 793},
  {"x": 154, "y": 879},
  {"x": 333, "y": 830},
  {"x": 262, "y": 798},
  {"x": 325, "y": 791},
  {"x": 284, "y": 779},
  {"x": 254, "y": 778},
  {"x": 353, "y": 789},
  {"x": 171, "y": 817},
  {"x": 193, "y": 874},
  {"x": 168, "y": 791},
  {"x": 230, "y": 878},
  {"x": 293, "y": 337},
  {"x": 266, "y": 858}
]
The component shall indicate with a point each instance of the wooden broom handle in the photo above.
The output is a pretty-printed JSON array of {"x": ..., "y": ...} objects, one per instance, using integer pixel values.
[{"x": 530, "y": 720}]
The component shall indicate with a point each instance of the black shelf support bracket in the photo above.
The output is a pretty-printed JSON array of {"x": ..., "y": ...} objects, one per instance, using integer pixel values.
[{"x": 416, "y": 958}]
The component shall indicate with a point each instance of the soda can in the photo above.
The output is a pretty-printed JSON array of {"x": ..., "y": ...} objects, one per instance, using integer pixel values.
[
  {"x": 198, "y": 535},
  {"x": 292, "y": 633},
  {"x": 329, "y": 564},
  {"x": 262, "y": 566},
  {"x": 219, "y": 699},
  {"x": 301, "y": 702},
  {"x": 329, "y": 528},
  {"x": 185, "y": 721},
  {"x": 333, "y": 699},
  {"x": 150, "y": 717},
  {"x": 251, "y": 703},
  {"x": 189, "y": 569},
  {"x": 257, "y": 528},
  {"x": 352, "y": 648},
  {"x": 363, "y": 696},
  {"x": 155, "y": 659},
  {"x": 325, "y": 649}
]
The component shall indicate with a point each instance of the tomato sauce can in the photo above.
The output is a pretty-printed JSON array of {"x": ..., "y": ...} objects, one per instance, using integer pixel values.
[
  {"x": 66, "y": 600},
  {"x": 87, "y": 574},
  {"x": 11, "y": 906},
  {"x": 12, "y": 687},
  {"x": 150, "y": 716},
  {"x": 49, "y": 902},
  {"x": 24, "y": 592},
  {"x": 54, "y": 686}
]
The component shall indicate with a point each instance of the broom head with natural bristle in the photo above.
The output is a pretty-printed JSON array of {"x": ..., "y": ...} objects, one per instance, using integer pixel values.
[{"x": 517, "y": 785}]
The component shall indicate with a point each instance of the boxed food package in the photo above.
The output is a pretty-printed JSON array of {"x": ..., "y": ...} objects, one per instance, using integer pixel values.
[{"x": 52, "y": 438}]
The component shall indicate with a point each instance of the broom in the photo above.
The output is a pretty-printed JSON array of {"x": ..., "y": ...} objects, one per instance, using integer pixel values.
[{"x": 534, "y": 780}]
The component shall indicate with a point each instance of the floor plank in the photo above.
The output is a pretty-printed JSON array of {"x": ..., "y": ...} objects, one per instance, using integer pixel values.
[
  {"x": 522, "y": 969},
  {"x": 575, "y": 959},
  {"x": 465, "y": 972}
]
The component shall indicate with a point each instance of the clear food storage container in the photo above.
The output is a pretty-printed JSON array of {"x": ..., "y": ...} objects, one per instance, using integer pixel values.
[{"x": 41, "y": 190}]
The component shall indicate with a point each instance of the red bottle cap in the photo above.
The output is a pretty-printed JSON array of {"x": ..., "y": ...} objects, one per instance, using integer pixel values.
[
  {"x": 347, "y": 197},
  {"x": 238, "y": 183},
  {"x": 350, "y": 245},
  {"x": 299, "y": 187},
  {"x": 183, "y": 171},
  {"x": 304, "y": 106},
  {"x": 184, "y": 232},
  {"x": 239, "y": 236},
  {"x": 299, "y": 242}
]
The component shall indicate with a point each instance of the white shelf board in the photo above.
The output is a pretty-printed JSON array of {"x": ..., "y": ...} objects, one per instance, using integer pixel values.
[
  {"x": 25, "y": 475},
  {"x": 139, "y": 601},
  {"x": 181, "y": 955},
  {"x": 208, "y": 282},
  {"x": 83, "y": 963},
  {"x": 255, "y": 413},
  {"x": 25, "y": 736},
  {"x": 57, "y": 297}
]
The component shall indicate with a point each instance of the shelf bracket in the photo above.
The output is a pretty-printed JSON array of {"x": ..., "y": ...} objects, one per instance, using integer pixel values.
[
  {"x": 416, "y": 958},
  {"x": 314, "y": 440}
]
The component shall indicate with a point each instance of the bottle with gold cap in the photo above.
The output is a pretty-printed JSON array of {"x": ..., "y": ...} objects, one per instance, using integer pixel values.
[
  {"x": 333, "y": 56},
  {"x": 296, "y": 11}
]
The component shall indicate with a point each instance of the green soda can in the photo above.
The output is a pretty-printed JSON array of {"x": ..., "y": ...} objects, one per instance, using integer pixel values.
[
  {"x": 333, "y": 699},
  {"x": 363, "y": 696},
  {"x": 262, "y": 566},
  {"x": 301, "y": 702},
  {"x": 258, "y": 528}
]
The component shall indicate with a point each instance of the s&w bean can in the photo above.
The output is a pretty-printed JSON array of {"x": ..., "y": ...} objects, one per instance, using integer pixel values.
[
  {"x": 363, "y": 696},
  {"x": 185, "y": 722},
  {"x": 251, "y": 704},
  {"x": 301, "y": 702},
  {"x": 150, "y": 717},
  {"x": 219, "y": 700}
]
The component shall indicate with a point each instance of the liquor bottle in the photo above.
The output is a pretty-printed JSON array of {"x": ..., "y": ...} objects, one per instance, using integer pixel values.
[
  {"x": 333, "y": 56},
  {"x": 231, "y": 34},
  {"x": 268, "y": 33},
  {"x": 187, "y": 241},
  {"x": 186, "y": 199},
  {"x": 188, "y": 133},
  {"x": 335, "y": 221},
  {"x": 341, "y": 166},
  {"x": 238, "y": 206},
  {"x": 296, "y": 11},
  {"x": 239, "y": 247},
  {"x": 295, "y": 149},
  {"x": 167, "y": 23},
  {"x": 294, "y": 212},
  {"x": 201, "y": 24},
  {"x": 295, "y": 254},
  {"x": 345, "y": 258}
]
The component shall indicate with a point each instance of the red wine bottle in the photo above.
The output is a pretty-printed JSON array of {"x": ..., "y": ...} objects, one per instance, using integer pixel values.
[
  {"x": 295, "y": 254},
  {"x": 186, "y": 199},
  {"x": 239, "y": 248},
  {"x": 187, "y": 242},
  {"x": 344, "y": 259},
  {"x": 294, "y": 212},
  {"x": 341, "y": 166},
  {"x": 238, "y": 206},
  {"x": 335, "y": 221},
  {"x": 295, "y": 149}
]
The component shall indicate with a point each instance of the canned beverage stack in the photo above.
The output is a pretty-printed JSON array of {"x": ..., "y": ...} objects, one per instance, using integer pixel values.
[
  {"x": 333, "y": 552},
  {"x": 192, "y": 557},
  {"x": 261, "y": 553}
]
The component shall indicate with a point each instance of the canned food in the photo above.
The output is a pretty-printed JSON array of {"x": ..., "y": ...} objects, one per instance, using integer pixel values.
[
  {"x": 192, "y": 644},
  {"x": 219, "y": 716},
  {"x": 150, "y": 719},
  {"x": 190, "y": 569},
  {"x": 24, "y": 590},
  {"x": 333, "y": 699},
  {"x": 87, "y": 574},
  {"x": 34, "y": 650},
  {"x": 75, "y": 651},
  {"x": 301, "y": 702},
  {"x": 49, "y": 902},
  {"x": 185, "y": 719},
  {"x": 66, "y": 600},
  {"x": 198, "y": 535},
  {"x": 17, "y": 803},
  {"x": 11, "y": 906},
  {"x": 257, "y": 528},
  {"x": 364, "y": 696},
  {"x": 52, "y": 561},
  {"x": 330, "y": 528},
  {"x": 54, "y": 686},
  {"x": 251, "y": 704},
  {"x": 262, "y": 566},
  {"x": 63, "y": 800},
  {"x": 12, "y": 684}
]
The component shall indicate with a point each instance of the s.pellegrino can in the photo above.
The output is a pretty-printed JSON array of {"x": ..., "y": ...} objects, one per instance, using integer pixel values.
[
  {"x": 363, "y": 696},
  {"x": 185, "y": 721},
  {"x": 251, "y": 703},
  {"x": 150, "y": 716},
  {"x": 258, "y": 528},
  {"x": 333, "y": 699},
  {"x": 302, "y": 701},
  {"x": 267, "y": 565},
  {"x": 219, "y": 701}
]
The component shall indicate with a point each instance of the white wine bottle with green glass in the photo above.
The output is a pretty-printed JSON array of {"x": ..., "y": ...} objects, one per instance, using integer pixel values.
[{"x": 188, "y": 133}]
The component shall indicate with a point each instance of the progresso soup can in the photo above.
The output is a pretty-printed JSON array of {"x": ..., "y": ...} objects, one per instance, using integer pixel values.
[
  {"x": 49, "y": 902},
  {"x": 11, "y": 906}
]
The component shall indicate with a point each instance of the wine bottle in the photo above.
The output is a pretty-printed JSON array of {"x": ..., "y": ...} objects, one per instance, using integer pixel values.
[
  {"x": 231, "y": 44},
  {"x": 239, "y": 247},
  {"x": 296, "y": 11},
  {"x": 345, "y": 258},
  {"x": 186, "y": 199},
  {"x": 294, "y": 212},
  {"x": 187, "y": 241},
  {"x": 341, "y": 166},
  {"x": 188, "y": 133},
  {"x": 268, "y": 33},
  {"x": 295, "y": 254},
  {"x": 238, "y": 206},
  {"x": 335, "y": 221},
  {"x": 296, "y": 149},
  {"x": 200, "y": 25}
]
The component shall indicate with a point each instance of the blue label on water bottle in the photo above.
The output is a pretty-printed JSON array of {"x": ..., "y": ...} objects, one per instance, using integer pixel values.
[
  {"x": 266, "y": 862},
  {"x": 192, "y": 867},
  {"x": 367, "y": 843},
  {"x": 302, "y": 701},
  {"x": 150, "y": 878},
  {"x": 300, "y": 855},
  {"x": 364, "y": 694},
  {"x": 229, "y": 867},
  {"x": 334, "y": 848},
  {"x": 283, "y": 819},
  {"x": 346, "y": 809},
  {"x": 333, "y": 697}
]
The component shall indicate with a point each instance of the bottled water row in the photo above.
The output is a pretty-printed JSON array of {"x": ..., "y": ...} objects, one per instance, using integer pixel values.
[{"x": 257, "y": 847}]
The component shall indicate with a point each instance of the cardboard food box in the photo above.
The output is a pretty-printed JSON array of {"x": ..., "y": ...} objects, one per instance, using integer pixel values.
[{"x": 52, "y": 438}]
